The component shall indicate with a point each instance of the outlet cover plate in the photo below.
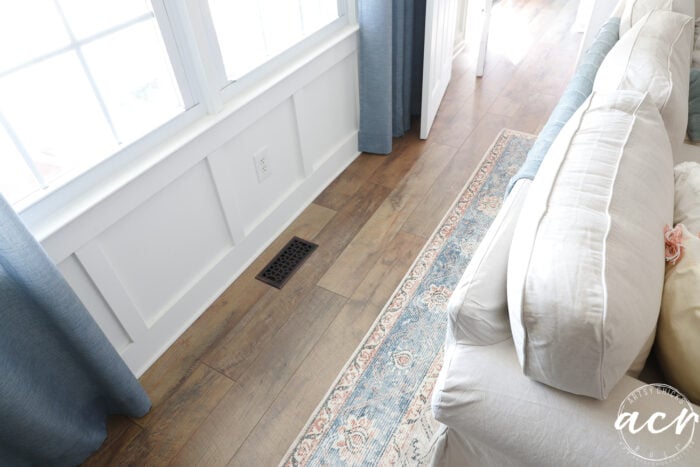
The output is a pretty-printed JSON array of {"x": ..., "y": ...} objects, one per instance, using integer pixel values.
[{"x": 261, "y": 159}]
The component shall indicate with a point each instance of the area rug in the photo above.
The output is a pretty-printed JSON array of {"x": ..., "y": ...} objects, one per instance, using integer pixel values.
[{"x": 378, "y": 410}]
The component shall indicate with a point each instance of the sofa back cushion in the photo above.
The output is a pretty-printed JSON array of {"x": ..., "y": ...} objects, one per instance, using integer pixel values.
[
  {"x": 636, "y": 9},
  {"x": 586, "y": 265},
  {"x": 654, "y": 57},
  {"x": 478, "y": 311}
]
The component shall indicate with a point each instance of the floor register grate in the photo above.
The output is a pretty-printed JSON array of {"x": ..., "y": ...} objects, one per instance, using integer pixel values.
[{"x": 288, "y": 260}]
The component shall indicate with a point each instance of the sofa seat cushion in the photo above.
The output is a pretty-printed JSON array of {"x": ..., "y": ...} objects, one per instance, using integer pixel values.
[
  {"x": 495, "y": 416},
  {"x": 478, "y": 310},
  {"x": 586, "y": 266},
  {"x": 654, "y": 57}
]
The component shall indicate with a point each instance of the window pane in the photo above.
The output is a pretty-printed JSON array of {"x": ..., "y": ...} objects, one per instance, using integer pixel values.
[
  {"x": 81, "y": 79},
  {"x": 135, "y": 79},
  {"x": 281, "y": 24},
  {"x": 16, "y": 180},
  {"x": 250, "y": 32},
  {"x": 54, "y": 113},
  {"x": 238, "y": 23},
  {"x": 28, "y": 29},
  {"x": 88, "y": 17},
  {"x": 317, "y": 13}
]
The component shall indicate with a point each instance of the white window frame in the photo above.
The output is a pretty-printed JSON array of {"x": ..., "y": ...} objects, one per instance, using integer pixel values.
[
  {"x": 289, "y": 61},
  {"x": 189, "y": 34},
  {"x": 70, "y": 185}
]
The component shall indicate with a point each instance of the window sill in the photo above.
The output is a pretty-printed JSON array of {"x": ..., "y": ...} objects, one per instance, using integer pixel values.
[{"x": 54, "y": 210}]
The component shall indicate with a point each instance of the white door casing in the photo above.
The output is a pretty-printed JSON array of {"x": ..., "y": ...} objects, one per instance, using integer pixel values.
[{"x": 484, "y": 26}]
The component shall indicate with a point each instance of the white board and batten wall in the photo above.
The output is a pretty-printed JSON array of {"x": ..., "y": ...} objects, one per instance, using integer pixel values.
[{"x": 152, "y": 256}]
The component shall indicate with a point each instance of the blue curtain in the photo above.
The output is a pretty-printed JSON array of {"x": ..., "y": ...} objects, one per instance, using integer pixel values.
[
  {"x": 59, "y": 376},
  {"x": 390, "y": 69}
]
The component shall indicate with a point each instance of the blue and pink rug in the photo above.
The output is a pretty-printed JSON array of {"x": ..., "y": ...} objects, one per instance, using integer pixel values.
[{"x": 378, "y": 410}]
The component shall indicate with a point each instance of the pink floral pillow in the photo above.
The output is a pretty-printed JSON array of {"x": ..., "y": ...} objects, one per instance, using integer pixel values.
[{"x": 678, "y": 330}]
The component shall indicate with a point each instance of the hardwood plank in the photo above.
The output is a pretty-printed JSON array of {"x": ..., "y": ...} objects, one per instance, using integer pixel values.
[
  {"x": 461, "y": 126},
  {"x": 556, "y": 28},
  {"x": 357, "y": 259},
  {"x": 535, "y": 71},
  {"x": 278, "y": 428},
  {"x": 451, "y": 181},
  {"x": 534, "y": 113},
  {"x": 168, "y": 372},
  {"x": 454, "y": 132},
  {"x": 171, "y": 424},
  {"x": 500, "y": 75},
  {"x": 370, "y": 223},
  {"x": 466, "y": 83},
  {"x": 349, "y": 220},
  {"x": 505, "y": 105},
  {"x": 400, "y": 161},
  {"x": 241, "y": 345},
  {"x": 339, "y": 192},
  {"x": 226, "y": 428},
  {"x": 120, "y": 432}
]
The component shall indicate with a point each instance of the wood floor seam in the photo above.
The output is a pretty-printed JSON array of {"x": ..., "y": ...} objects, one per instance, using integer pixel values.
[{"x": 237, "y": 387}]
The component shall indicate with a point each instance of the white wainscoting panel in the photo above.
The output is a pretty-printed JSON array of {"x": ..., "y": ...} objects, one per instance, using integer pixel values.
[
  {"x": 172, "y": 238},
  {"x": 150, "y": 257},
  {"x": 327, "y": 112},
  {"x": 274, "y": 135},
  {"x": 81, "y": 283}
]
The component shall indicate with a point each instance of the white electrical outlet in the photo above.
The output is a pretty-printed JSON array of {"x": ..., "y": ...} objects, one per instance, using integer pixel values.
[{"x": 262, "y": 164}]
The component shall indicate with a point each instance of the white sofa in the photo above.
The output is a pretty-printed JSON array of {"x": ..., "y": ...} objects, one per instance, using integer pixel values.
[{"x": 492, "y": 414}]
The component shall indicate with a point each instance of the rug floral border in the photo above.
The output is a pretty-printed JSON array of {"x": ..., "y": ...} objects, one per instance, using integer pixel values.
[{"x": 319, "y": 423}]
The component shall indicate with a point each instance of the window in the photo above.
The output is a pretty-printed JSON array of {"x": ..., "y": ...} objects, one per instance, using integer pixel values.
[
  {"x": 251, "y": 32},
  {"x": 84, "y": 79}
]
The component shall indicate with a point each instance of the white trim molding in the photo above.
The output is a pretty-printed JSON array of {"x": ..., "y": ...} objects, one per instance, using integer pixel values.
[{"x": 154, "y": 245}]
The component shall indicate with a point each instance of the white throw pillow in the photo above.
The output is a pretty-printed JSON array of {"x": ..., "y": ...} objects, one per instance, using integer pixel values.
[
  {"x": 637, "y": 9},
  {"x": 586, "y": 265},
  {"x": 654, "y": 57},
  {"x": 686, "y": 209},
  {"x": 478, "y": 309}
]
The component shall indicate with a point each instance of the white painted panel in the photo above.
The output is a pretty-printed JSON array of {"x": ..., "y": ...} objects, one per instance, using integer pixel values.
[
  {"x": 326, "y": 111},
  {"x": 485, "y": 28},
  {"x": 79, "y": 281},
  {"x": 437, "y": 58},
  {"x": 275, "y": 135},
  {"x": 105, "y": 278},
  {"x": 156, "y": 250},
  {"x": 159, "y": 249}
]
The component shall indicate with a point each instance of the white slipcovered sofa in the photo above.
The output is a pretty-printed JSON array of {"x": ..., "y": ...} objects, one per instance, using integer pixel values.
[{"x": 556, "y": 313}]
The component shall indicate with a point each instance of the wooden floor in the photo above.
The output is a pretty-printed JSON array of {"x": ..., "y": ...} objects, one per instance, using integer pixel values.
[{"x": 238, "y": 386}]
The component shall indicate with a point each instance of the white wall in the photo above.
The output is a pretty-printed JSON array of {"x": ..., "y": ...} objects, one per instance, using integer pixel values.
[{"x": 150, "y": 258}]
